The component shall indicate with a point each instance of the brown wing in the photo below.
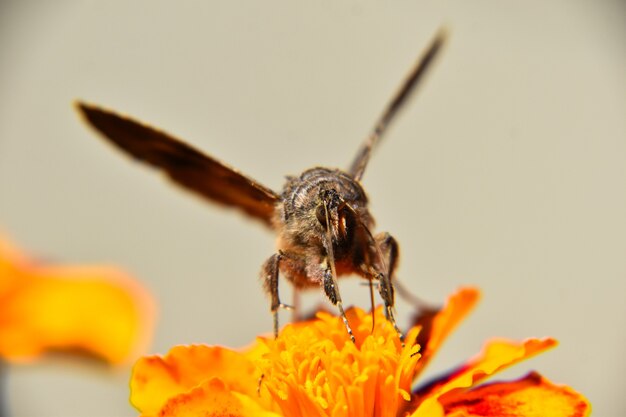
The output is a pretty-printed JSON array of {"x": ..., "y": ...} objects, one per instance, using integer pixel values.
[
  {"x": 182, "y": 163},
  {"x": 410, "y": 84}
]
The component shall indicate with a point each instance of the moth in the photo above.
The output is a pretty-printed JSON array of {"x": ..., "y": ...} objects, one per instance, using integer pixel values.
[{"x": 321, "y": 216}]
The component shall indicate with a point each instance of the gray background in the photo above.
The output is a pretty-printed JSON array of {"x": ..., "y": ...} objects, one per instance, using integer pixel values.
[{"x": 507, "y": 171}]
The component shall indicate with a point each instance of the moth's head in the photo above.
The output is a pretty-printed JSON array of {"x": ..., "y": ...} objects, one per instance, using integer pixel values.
[
  {"x": 321, "y": 199},
  {"x": 332, "y": 211}
]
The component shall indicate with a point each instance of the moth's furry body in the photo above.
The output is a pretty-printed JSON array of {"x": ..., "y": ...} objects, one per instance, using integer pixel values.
[
  {"x": 323, "y": 225},
  {"x": 301, "y": 233}
]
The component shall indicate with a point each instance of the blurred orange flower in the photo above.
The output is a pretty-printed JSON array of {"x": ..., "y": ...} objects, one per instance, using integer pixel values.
[
  {"x": 95, "y": 310},
  {"x": 313, "y": 369}
]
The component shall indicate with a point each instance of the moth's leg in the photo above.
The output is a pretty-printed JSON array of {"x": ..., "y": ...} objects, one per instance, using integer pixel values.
[
  {"x": 388, "y": 247},
  {"x": 332, "y": 292},
  {"x": 296, "y": 314},
  {"x": 269, "y": 275}
]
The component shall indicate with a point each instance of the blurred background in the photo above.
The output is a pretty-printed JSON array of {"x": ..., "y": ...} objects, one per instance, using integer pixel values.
[{"x": 507, "y": 171}]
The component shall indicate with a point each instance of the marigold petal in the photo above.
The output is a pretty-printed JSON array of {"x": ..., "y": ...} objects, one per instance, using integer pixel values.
[
  {"x": 496, "y": 355},
  {"x": 213, "y": 398},
  {"x": 11, "y": 259},
  {"x": 98, "y": 310},
  {"x": 155, "y": 379},
  {"x": 436, "y": 325},
  {"x": 531, "y": 396}
]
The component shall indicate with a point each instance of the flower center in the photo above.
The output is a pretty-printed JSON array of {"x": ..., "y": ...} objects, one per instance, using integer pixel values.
[{"x": 314, "y": 369}]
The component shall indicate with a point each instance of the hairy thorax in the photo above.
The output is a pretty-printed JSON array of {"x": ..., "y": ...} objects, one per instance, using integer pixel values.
[{"x": 301, "y": 232}]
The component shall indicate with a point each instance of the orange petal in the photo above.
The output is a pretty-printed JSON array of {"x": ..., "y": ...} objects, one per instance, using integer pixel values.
[
  {"x": 213, "y": 399},
  {"x": 156, "y": 379},
  {"x": 497, "y": 355},
  {"x": 531, "y": 396},
  {"x": 98, "y": 310},
  {"x": 11, "y": 260},
  {"x": 437, "y": 325}
]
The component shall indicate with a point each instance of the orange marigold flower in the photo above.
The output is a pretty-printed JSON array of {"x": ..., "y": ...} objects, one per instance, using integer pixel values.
[
  {"x": 97, "y": 310},
  {"x": 313, "y": 369}
]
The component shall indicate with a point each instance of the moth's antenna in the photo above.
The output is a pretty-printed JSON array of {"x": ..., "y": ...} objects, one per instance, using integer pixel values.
[{"x": 396, "y": 103}]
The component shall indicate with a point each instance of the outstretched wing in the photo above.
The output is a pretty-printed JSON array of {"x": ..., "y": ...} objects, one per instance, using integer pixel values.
[
  {"x": 415, "y": 76},
  {"x": 185, "y": 165}
]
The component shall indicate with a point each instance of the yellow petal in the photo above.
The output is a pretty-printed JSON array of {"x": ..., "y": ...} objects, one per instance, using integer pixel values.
[
  {"x": 97, "y": 310},
  {"x": 213, "y": 399},
  {"x": 531, "y": 396},
  {"x": 496, "y": 356},
  {"x": 156, "y": 379}
]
